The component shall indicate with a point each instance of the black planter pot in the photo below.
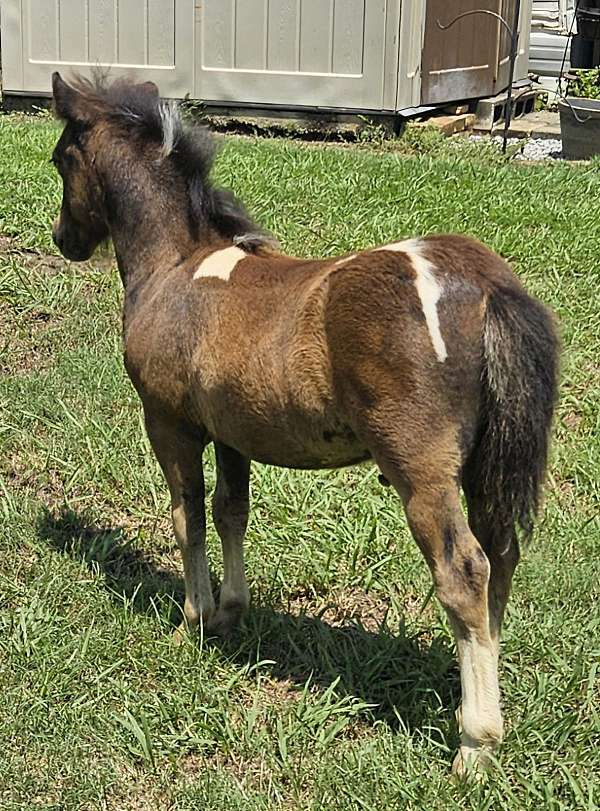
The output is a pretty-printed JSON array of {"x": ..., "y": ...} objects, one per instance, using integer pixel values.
[{"x": 580, "y": 127}]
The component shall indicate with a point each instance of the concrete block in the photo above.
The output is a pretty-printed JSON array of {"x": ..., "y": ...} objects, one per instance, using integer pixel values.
[{"x": 490, "y": 112}]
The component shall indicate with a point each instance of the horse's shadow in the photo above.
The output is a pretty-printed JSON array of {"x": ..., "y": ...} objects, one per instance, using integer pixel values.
[{"x": 409, "y": 681}]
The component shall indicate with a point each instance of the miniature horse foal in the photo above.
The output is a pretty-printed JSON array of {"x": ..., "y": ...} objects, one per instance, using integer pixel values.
[{"x": 425, "y": 355}]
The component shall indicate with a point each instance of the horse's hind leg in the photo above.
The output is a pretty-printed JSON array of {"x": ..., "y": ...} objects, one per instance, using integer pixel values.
[
  {"x": 230, "y": 516},
  {"x": 427, "y": 481},
  {"x": 460, "y": 572},
  {"x": 179, "y": 453},
  {"x": 502, "y": 550}
]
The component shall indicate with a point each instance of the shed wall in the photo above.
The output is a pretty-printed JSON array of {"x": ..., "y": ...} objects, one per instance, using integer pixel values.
[
  {"x": 363, "y": 55},
  {"x": 317, "y": 53},
  {"x": 467, "y": 49}
]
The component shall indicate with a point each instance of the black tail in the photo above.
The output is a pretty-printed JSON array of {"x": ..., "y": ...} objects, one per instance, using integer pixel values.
[{"x": 507, "y": 466}]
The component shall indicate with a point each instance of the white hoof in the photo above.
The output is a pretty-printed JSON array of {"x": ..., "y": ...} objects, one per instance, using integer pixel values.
[{"x": 471, "y": 763}]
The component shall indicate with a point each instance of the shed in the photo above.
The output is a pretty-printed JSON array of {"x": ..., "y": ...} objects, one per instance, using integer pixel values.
[{"x": 373, "y": 56}]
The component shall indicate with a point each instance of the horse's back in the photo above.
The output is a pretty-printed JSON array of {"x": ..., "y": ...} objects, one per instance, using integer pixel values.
[{"x": 280, "y": 356}]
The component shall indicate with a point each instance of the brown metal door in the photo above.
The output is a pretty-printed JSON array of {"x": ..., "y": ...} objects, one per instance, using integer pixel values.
[
  {"x": 508, "y": 12},
  {"x": 468, "y": 60}
]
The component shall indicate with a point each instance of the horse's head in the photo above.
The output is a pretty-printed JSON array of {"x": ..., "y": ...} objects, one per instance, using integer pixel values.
[
  {"x": 126, "y": 156},
  {"x": 82, "y": 223}
]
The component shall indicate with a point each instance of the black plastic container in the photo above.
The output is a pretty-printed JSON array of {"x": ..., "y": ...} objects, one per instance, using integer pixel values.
[{"x": 580, "y": 127}]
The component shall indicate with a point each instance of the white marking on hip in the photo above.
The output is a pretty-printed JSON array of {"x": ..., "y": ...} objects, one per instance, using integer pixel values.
[
  {"x": 345, "y": 259},
  {"x": 428, "y": 288},
  {"x": 220, "y": 263}
]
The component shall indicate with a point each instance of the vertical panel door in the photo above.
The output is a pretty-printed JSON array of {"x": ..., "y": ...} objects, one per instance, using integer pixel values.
[
  {"x": 153, "y": 39},
  {"x": 461, "y": 61},
  {"x": 329, "y": 53}
]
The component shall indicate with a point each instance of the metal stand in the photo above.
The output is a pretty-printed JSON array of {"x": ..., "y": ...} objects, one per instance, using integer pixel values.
[{"x": 514, "y": 49}]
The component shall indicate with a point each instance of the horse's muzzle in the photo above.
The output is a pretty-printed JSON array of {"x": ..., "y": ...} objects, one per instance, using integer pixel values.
[{"x": 71, "y": 251}]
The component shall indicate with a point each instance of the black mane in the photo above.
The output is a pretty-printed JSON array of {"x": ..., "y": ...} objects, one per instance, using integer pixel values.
[{"x": 139, "y": 109}]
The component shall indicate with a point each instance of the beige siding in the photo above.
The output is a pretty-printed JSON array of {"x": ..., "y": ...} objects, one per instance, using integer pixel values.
[
  {"x": 132, "y": 37},
  {"x": 303, "y": 36},
  {"x": 102, "y": 28},
  {"x": 249, "y": 34},
  {"x": 283, "y": 44},
  {"x": 552, "y": 15},
  {"x": 73, "y": 40},
  {"x": 347, "y": 40},
  {"x": 330, "y": 53},
  {"x": 316, "y": 31},
  {"x": 218, "y": 44},
  {"x": 411, "y": 24},
  {"x": 160, "y": 27}
]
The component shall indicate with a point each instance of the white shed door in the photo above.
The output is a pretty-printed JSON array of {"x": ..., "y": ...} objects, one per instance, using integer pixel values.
[
  {"x": 329, "y": 53},
  {"x": 153, "y": 39}
]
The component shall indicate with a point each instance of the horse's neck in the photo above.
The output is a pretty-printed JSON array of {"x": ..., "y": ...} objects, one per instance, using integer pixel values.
[
  {"x": 140, "y": 259},
  {"x": 147, "y": 239},
  {"x": 149, "y": 222},
  {"x": 148, "y": 248},
  {"x": 149, "y": 242}
]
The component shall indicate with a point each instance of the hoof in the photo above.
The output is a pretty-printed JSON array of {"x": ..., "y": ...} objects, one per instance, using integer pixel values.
[
  {"x": 190, "y": 628},
  {"x": 471, "y": 763},
  {"x": 225, "y": 620},
  {"x": 182, "y": 633}
]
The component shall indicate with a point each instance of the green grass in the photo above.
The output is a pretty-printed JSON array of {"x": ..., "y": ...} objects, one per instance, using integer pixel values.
[{"x": 340, "y": 691}]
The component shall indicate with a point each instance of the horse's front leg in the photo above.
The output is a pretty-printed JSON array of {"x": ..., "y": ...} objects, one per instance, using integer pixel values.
[
  {"x": 179, "y": 452},
  {"x": 230, "y": 516}
]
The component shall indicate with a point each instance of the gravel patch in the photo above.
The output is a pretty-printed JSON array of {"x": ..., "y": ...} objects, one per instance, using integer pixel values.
[{"x": 534, "y": 149}]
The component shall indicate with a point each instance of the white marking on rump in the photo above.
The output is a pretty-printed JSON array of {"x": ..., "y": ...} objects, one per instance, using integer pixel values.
[
  {"x": 345, "y": 259},
  {"x": 428, "y": 288},
  {"x": 220, "y": 263}
]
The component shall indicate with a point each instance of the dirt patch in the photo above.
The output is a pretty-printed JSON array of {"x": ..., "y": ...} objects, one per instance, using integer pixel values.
[
  {"x": 354, "y": 606},
  {"x": 342, "y": 607},
  {"x": 250, "y": 773},
  {"x": 32, "y": 259},
  {"x": 18, "y": 471},
  {"x": 573, "y": 420},
  {"x": 134, "y": 791},
  {"x": 26, "y": 347},
  {"x": 27, "y": 331},
  {"x": 29, "y": 258}
]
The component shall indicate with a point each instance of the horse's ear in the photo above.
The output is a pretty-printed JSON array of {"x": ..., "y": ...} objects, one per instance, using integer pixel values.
[
  {"x": 150, "y": 89},
  {"x": 69, "y": 102}
]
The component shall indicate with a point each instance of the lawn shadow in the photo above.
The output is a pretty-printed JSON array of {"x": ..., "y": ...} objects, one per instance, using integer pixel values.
[
  {"x": 411, "y": 680},
  {"x": 128, "y": 571}
]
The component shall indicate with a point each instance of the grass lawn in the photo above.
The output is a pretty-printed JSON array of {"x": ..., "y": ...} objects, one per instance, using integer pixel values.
[{"x": 340, "y": 691}]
